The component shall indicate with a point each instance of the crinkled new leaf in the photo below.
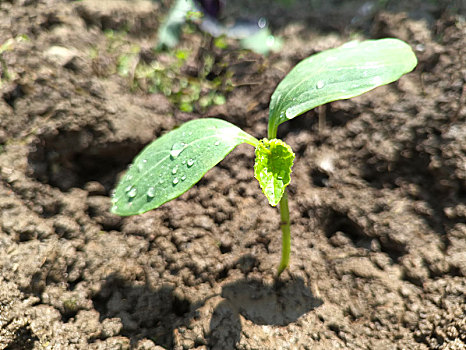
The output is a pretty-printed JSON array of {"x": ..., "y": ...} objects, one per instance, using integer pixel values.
[{"x": 272, "y": 168}]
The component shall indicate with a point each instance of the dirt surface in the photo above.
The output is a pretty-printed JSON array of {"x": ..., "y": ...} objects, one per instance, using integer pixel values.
[{"x": 378, "y": 198}]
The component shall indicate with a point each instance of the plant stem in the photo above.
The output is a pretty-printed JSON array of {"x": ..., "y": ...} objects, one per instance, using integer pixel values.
[
  {"x": 286, "y": 235},
  {"x": 284, "y": 215}
]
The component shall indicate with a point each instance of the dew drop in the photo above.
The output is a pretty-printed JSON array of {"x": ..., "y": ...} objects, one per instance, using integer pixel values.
[
  {"x": 175, "y": 169},
  {"x": 217, "y": 143},
  {"x": 128, "y": 188},
  {"x": 132, "y": 193},
  {"x": 176, "y": 150},
  {"x": 320, "y": 84},
  {"x": 129, "y": 177},
  {"x": 161, "y": 181},
  {"x": 262, "y": 22},
  {"x": 115, "y": 207},
  {"x": 183, "y": 178},
  {"x": 151, "y": 192},
  {"x": 175, "y": 180},
  {"x": 190, "y": 163},
  {"x": 183, "y": 162}
]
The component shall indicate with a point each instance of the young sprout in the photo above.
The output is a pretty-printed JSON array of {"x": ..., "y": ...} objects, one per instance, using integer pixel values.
[{"x": 173, "y": 163}]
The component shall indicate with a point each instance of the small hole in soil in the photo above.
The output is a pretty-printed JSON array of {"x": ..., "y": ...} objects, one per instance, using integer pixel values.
[
  {"x": 339, "y": 222},
  {"x": 11, "y": 96},
  {"x": 222, "y": 274},
  {"x": 24, "y": 339},
  {"x": 225, "y": 247},
  {"x": 319, "y": 178},
  {"x": 51, "y": 21},
  {"x": 339, "y": 225},
  {"x": 180, "y": 306},
  {"x": 27, "y": 236},
  {"x": 73, "y": 158}
]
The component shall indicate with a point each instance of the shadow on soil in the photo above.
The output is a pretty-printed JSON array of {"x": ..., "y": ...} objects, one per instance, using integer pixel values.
[
  {"x": 276, "y": 305},
  {"x": 144, "y": 312},
  {"x": 155, "y": 313}
]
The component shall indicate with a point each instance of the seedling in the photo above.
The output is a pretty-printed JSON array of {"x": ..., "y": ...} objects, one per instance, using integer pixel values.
[{"x": 173, "y": 163}]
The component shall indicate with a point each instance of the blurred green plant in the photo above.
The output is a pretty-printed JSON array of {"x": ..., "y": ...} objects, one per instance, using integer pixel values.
[
  {"x": 188, "y": 93},
  {"x": 166, "y": 72}
]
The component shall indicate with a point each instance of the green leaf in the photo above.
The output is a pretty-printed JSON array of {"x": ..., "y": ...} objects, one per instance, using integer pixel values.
[
  {"x": 272, "y": 168},
  {"x": 173, "y": 163},
  {"x": 340, "y": 73}
]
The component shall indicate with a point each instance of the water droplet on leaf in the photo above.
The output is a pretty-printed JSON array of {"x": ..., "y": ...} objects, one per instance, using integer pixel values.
[
  {"x": 190, "y": 163},
  {"x": 320, "y": 84},
  {"x": 132, "y": 193},
  {"x": 217, "y": 143},
  {"x": 175, "y": 181},
  {"x": 151, "y": 192},
  {"x": 176, "y": 150},
  {"x": 183, "y": 178},
  {"x": 174, "y": 170}
]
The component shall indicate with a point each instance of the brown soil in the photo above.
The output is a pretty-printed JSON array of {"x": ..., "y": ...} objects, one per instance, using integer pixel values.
[{"x": 378, "y": 198}]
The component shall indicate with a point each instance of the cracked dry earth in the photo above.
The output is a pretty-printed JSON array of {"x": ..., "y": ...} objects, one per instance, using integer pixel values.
[{"x": 378, "y": 198}]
